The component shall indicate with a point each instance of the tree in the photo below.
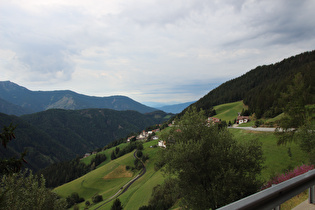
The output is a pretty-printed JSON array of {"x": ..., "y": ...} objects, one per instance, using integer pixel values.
[
  {"x": 97, "y": 198},
  {"x": 212, "y": 168},
  {"x": 139, "y": 153},
  {"x": 74, "y": 198},
  {"x": 113, "y": 156},
  {"x": 140, "y": 146},
  {"x": 116, "y": 205},
  {"x": 11, "y": 165},
  {"x": 117, "y": 150},
  {"x": 23, "y": 190},
  {"x": 296, "y": 125},
  {"x": 164, "y": 196}
]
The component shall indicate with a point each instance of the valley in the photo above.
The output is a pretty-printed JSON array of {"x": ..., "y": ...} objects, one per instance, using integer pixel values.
[
  {"x": 277, "y": 161},
  {"x": 63, "y": 126}
]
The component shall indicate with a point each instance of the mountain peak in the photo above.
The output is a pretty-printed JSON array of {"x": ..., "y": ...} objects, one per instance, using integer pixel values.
[
  {"x": 42, "y": 100},
  {"x": 11, "y": 86}
]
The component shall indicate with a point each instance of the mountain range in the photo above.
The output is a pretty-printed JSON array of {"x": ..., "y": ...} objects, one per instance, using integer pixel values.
[
  {"x": 175, "y": 108},
  {"x": 18, "y": 100},
  {"x": 55, "y": 135}
]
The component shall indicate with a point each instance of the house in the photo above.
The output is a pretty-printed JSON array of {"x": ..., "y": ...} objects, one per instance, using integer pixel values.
[
  {"x": 162, "y": 144},
  {"x": 242, "y": 119},
  {"x": 155, "y": 137},
  {"x": 142, "y": 135},
  {"x": 214, "y": 120},
  {"x": 129, "y": 138},
  {"x": 86, "y": 155}
]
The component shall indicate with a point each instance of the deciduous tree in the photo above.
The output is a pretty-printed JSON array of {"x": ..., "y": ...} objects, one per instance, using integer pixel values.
[{"x": 212, "y": 168}]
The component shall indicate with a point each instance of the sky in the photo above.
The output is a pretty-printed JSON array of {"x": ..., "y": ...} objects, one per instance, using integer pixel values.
[{"x": 151, "y": 51}]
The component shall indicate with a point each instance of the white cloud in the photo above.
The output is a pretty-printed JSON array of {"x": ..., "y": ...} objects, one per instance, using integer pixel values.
[{"x": 148, "y": 50}]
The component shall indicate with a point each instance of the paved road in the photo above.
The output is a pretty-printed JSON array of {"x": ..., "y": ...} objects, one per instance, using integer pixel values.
[{"x": 256, "y": 129}]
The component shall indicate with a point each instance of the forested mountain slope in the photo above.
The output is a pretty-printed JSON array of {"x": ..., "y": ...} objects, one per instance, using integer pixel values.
[
  {"x": 12, "y": 109},
  {"x": 55, "y": 135},
  {"x": 36, "y": 101},
  {"x": 261, "y": 87}
]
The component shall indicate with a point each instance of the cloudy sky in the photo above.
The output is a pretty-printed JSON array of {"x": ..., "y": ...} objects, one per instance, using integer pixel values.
[{"x": 152, "y": 51}]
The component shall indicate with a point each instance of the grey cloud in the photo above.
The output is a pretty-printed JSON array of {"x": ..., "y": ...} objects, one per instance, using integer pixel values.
[
  {"x": 280, "y": 22},
  {"x": 131, "y": 46}
]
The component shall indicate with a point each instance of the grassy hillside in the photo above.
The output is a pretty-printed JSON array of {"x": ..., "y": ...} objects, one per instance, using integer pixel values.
[
  {"x": 277, "y": 157},
  {"x": 255, "y": 87},
  {"x": 229, "y": 111},
  {"x": 108, "y": 178}
]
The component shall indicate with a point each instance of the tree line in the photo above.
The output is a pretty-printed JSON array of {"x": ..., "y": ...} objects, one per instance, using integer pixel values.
[{"x": 261, "y": 87}]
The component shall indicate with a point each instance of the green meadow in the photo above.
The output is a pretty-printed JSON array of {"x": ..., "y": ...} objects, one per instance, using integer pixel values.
[
  {"x": 278, "y": 159},
  {"x": 111, "y": 175},
  {"x": 229, "y": 111},
  {"x": 107, "y": 179}
]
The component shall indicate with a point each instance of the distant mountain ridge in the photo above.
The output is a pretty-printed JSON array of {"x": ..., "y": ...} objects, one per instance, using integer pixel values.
[
  {"x": 36, "y": 101},
  {"x": 55, "y": 135},
  {"x": 175, "y": 108}
]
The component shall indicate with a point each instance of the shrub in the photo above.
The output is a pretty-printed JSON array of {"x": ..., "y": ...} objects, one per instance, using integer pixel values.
[
  {"x": 97, "y": 198},
  {"x": 290, "y": 174},
  {"x": 87, "y": 203},
  {"x": 139, "y": 154},
  {"x": 145, "y": 158},
  {"x": 116, "y": 205},
  {"x": 73, "y": 199}
]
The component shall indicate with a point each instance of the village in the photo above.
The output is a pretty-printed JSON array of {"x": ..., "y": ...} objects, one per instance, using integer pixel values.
[{"x": 145, "y": 135}]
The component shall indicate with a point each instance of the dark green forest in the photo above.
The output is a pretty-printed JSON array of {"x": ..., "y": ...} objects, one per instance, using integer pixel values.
[
  {"x": 262, "y": 87},
  {"x": 57, "y": 135}
]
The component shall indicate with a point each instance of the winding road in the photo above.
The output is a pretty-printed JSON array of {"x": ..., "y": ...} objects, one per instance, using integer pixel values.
[{"x": 124, "y": 188}]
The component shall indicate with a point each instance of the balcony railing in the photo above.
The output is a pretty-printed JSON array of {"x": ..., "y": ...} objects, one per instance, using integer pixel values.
[{"x": 274, "y": 196}]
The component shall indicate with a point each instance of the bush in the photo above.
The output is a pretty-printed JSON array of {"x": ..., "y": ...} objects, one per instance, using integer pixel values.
[
  {"x": 290, "y": 174},
  {"x": 258, "y": 123},
  {"x": 140, "y": 147},
  {"x": 139, "y": 154},
  {"x": 145, "y": 158},
  {"x": 73, "y": 199},
  {"x": 97, "y": 198},
  {"x": 138, "y": 164},
  {"x": 116, "y": 205},
  {"x": 87, "y": 203}
]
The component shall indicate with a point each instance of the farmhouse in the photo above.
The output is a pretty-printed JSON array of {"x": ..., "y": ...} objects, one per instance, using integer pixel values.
[
  {"x": 86, "y": 155},
  {"x": 214, "y": 120},
  {"x": 162, "y": 144},
  {"x": 242, "y": 119}
]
